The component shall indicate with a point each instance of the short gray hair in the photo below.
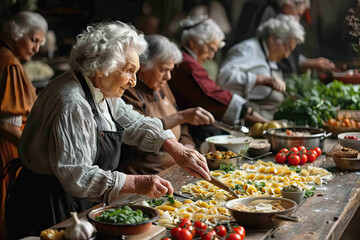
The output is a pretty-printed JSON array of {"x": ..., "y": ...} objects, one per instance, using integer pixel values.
[
  {"x": 160, "y": 50},
  {"x": 283, "y": 27},
  {"x": 23, "y": 23},
  {"x": 294, "y": 2},
  {"x": 202, "y": 29},
  {"x": 103, "y": 47}
]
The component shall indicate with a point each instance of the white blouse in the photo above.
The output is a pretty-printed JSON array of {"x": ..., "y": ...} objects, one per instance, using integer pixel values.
[{"x": 60, "y": 138}]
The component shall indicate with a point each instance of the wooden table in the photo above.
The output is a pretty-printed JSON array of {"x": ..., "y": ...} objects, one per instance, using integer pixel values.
[{"x": 325, "y": 215}]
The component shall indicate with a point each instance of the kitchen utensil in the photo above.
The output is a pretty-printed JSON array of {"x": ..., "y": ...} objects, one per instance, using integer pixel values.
[
  {"x": 257, "y": 157},
  {"x": 278, "y": 138},
  {"x": 350, "y": 143},
  {"x": 239, "y": 145},
  {"x": 238, "y": 131},
  {"x": 215, "y": 163},
  {"x": 223, "y": 186},
  {"x": 262, "y": 220},
  {"x": 115, "y": 229}
]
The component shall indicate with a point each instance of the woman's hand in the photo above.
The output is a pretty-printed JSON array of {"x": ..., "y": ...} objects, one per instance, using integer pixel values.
[
  {"x": 189, "y": 159},
  {"x": 197, "y": 116},
  {"x": 320, "y": 63},
  {"x": 150, "y": 185},
  {"x": 274, "y": 83}
]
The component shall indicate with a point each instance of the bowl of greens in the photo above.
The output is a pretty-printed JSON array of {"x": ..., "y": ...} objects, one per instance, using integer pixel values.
[{"x": 118, "y": 220}]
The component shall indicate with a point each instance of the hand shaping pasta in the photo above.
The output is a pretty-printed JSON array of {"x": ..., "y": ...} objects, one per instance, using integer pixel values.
[{"x": 189, "y": 159}]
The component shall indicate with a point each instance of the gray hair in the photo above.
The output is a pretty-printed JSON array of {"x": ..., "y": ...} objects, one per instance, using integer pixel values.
[
  {"x": 202, "y": 29},
  {"x": 294, "y": 2},
  {"x": 283, "y": 27},
  {"x": 23, "y": 23},
  {"x": 103, "y": 47},
  {"x": 161, "y": 50}
]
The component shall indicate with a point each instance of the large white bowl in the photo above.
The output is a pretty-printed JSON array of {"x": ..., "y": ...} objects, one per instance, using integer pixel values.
[
  {"x": 238, "y": 145},
  {"x": 351, "y": 143}
]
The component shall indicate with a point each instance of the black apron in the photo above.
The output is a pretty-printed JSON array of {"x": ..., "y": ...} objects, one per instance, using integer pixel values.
[{"x": 38, "y": 201}]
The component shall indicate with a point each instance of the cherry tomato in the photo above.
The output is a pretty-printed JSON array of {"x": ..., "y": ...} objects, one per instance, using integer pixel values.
[
  {"x": 234, "y": 236},
  {"x": 210, "y": 235},
  {"x": 220, "y": 231},
  {"x": 284, "y": 150},
  {"x": 314, "y": 152},
  {"x": 200, "y": 228},
  {"x": 184, "y": 234},
  {"x": 185, "y": 221},
  {"x": 294, "y": 159},
  {"x": 301, "y": 149},
  {"x": 311, "y": 157},
  {"x": 303, "y": 159},
  {"x": 191, "y": 229},
  {"x": 280, "y": 157},
  {"x": 174, "y": 231},
  {"x": 318, "y": 150},
  {"x": 294, "y": 150},
  {"x": 240, "y": 230}
]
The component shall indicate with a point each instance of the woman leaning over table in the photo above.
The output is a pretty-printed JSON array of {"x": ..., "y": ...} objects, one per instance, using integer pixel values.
[
  {"x": 201, "y": 38},
  {"x": 250, "y": 68},
  {"x": 152, "y": 97},
  {"x": 71, "y": 142},
  {"x": 20, "y": 39}
]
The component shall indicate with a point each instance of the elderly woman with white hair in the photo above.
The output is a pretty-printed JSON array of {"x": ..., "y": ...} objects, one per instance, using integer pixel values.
[
  {"x": 152, "y": 97},
  {"x": 20, "y": 39},
  {"x": 71, "y": 143},
  {"x": 250, "y": 68},
  {"x": 201, "y": 38}
]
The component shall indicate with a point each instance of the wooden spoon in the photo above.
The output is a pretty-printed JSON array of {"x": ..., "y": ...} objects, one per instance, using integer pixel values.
[{"x": 223, "y": 186}]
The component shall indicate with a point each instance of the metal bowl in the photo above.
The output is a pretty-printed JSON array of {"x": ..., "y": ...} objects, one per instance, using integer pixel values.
[
  {"x": 215, "y": 163},
  {"x": 116, "y": 230},
  {"x": 278, "y": 140},
  {"x": 262, "y": 220}
]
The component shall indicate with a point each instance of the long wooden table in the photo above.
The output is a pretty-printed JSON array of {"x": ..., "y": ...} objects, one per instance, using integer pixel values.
[{"x": 324, "y": 216}]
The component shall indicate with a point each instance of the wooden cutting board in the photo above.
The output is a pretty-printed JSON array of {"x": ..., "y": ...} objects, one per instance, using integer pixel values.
[{"x": 155, "y": 232}]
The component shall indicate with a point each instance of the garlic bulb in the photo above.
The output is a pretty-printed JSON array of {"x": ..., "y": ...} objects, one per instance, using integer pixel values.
[{"x": 79, "y": 230}]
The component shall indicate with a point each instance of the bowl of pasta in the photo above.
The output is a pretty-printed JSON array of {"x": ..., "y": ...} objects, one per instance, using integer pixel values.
[
  {"x": 215, "y": 159},
  {"x": 262, "y": 212},
  {"x": 239, "y": 145}
]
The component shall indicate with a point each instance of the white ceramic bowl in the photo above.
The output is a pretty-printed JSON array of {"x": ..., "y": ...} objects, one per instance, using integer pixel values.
[
  {"x": 296, "y": 196},
  {"x": 238, "y": 145},
  {"x": 351, "y": 143}
]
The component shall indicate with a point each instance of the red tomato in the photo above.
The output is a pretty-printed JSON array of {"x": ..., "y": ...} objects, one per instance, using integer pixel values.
[
  {"x": 240, "y": 230},
  {"x": 185, "y": 221},
  {"x": 220, "y": 231},
  {"x": 200, "y": 228},
  {"x": 174, "y": 231},
  {"x": 318, "y": 150},
  {"x": 191, "y": 229},
  {"x": 303, "y": 159},
  {"x": 311, "y": 157},
  {"x": 210, "y": 235},
  {"x": 294, "y": 159},
  {"x": 166, "y": 238},
  {"x": 301, "y": 149},
  {"x": 184, "y": 234},
  {"x": 234, "y": 236},
  {"x": 284, "y": 150},
  {"x": 294, "y": 150},
  {"x": 280, "y": 157},
  {"x": 314, "y": 152}
]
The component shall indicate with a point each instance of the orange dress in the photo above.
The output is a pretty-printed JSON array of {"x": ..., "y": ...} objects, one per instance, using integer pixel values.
[{"x": 17, "y": 96}]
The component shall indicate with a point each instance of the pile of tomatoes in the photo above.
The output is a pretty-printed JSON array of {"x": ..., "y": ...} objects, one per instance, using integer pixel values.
[
  {"x": 297, "y": 155},
  {"x": 187, "y": 230}
]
